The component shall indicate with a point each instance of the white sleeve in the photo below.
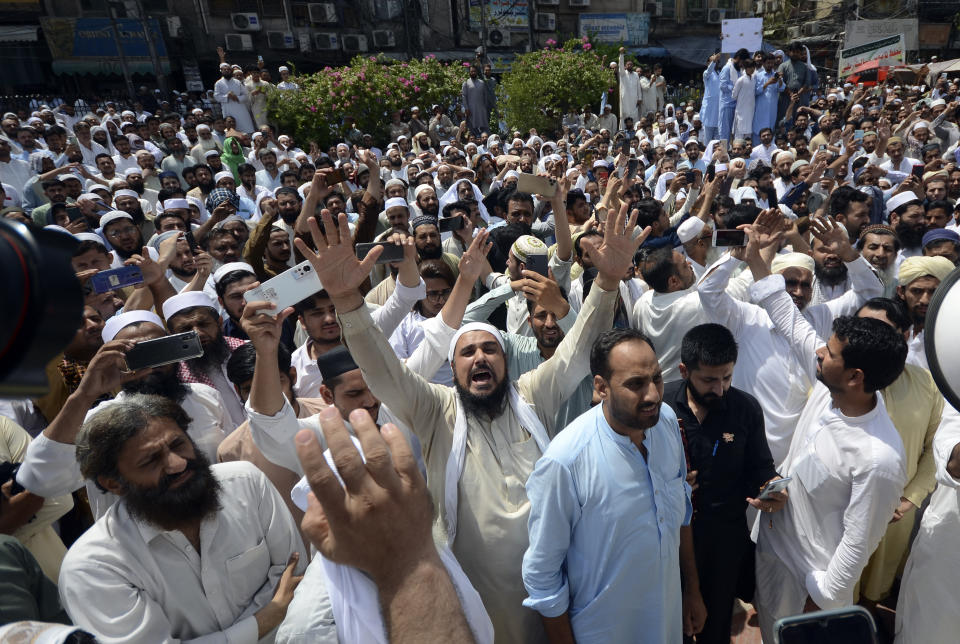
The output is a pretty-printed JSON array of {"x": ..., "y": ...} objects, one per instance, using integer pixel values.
[
  {"x": 50, "y": 468},
  {"x": 771, "y": 294},
  {"x": 389, "y": 316},
  {"x": 273, "y": 435},
  {"x": 432, "y": 352}
]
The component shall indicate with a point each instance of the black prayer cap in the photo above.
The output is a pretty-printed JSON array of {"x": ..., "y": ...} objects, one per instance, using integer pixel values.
[{"x": 336, "y": 362}]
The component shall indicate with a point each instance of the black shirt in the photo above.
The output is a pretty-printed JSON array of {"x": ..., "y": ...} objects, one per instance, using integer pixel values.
[{"x": 729, "y": 450}]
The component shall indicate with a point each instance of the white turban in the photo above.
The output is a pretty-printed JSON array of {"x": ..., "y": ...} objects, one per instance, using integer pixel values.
[
  {"x": 792, "y": 260},
  {"x": 118, "y": 322},
  {"x": 475, "y": 326},
  {"x": 187, "y": 300}
]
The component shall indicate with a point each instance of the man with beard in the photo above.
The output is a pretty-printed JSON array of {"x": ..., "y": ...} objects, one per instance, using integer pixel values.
[
  {"x": 616, "y": 476},
  {"x": 898, "y": 167},
  {"x": 268, "y": 249},
  {"x": 183, "y": 265},
  {"x": 723, "y": 429},
  {"x": 197, "y": 311},
  {"x": 917, "y": 280},
  {"x": 846, "y": 460},
  {"x": 134, "y": 179},
  {"x": 178, "y": 161},
  {"x": 850, "y": 207},
  {"x": 205, "y": 143},
  {"x": 211, "y": 550},
  {"x": 205, "y": 182},
  {"x": 125, "y": 238},
  {"x": 230, "y": 282},
  {"x": 476, "y": 429},
  {"x": 909, "y": 221},
  {"x": 879, "y": 245},
  {"x": 427, "y": 202},
  {"x": 269, "y": 177},
  {"x": 53, "y": 190},
  {"x": 50, "y": 468}
]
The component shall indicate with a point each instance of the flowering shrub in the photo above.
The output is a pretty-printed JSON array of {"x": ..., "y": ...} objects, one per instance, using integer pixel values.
[
  {"x": 369, "y": 89},
  {"x": 542, "y": 86}
]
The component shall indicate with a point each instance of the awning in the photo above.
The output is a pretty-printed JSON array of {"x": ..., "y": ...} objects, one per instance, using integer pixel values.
[
  {"x": 648, "y": 52},
  {"x": 693, "y": 51},
  {"x": 107, "y": 67},
  {"x": 19, "y": 33}
]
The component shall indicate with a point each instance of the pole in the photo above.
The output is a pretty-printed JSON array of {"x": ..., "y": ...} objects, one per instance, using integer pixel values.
[
  {"x": 128, "y": 79},
  {"x": 483, "y": 29},
  {"x": 530, "y": 21},
  {"x": 151, "y": 47}
]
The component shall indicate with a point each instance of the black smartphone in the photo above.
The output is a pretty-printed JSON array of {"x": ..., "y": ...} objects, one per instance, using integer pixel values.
[
  {"x": 191, "y": 241},
  {"x": 690, "y": 176},
  {"x": 729, "y": 237},
  {"x": 837, "y": 626},
  {"x": 917, "y": 171},
  {"x": 450, "y": 224},
  {"x": 537, "y": 264},
  {"x": 73, "y": 213},
  {"x": 165, "y": 350},
  {"x": 625, "y": 147},
  {"x": 115, "y": 278},
  {"x": 632, "y": 166},
  {"x": 391, "y": 252},
  {"x": 711, "y": 172},
  {"x": 335, "y": 176}
]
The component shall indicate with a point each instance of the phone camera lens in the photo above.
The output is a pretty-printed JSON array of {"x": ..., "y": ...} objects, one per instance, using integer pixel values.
[{"x": 306, "y": 269}]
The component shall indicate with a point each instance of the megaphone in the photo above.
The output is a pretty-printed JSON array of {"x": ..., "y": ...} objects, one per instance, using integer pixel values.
[{"x": 940, "y": 339}]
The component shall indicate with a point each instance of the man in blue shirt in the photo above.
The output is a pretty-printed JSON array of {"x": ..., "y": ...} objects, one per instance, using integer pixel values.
[
  {"x": 728, "y": 104},
  {"x": 710, "y": 106},
  {"x": 768, "y": 88},
  {"x": 607, "y": 502}
]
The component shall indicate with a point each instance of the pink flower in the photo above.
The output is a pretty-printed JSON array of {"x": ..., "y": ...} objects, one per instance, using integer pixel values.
[
  {"x": 423, "y": 76},
  {"x": 587, "y": 46},
  {"x": 416, "y": 88},
  {"x": 313, "y": 109},
  {"x": 585, "y": 39},
  {"x": 373, "y": 58}
]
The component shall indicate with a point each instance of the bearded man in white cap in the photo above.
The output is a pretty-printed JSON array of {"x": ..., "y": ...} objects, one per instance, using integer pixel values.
[
  {"x": 485, "y": 431},
  {"x": 234, "y": 99},
  {"x": 50, "y": 467},
  {"x": 197, "y": 311}
]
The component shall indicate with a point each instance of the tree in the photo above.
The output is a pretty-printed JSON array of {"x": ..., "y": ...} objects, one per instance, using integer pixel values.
[
  {"x": 369, "y": 89},
  {"x": 543, "y": 85}
]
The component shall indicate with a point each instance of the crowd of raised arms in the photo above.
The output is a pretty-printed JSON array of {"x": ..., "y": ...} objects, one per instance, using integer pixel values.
[{"x": 632, "y": 380}]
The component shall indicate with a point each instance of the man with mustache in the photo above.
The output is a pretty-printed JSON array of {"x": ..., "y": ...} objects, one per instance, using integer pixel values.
[
  {"x": 879, "y": 245},
  {"x": 50, "y": 466},
  {"x": 211, "y": 551},
  {"x": 917, "y": 280},
  {"x": 483, "y": 431},
  {"x": 727, "y": 449},
  {"x": 197, "y": 311},
  {"x": 909, "y": 221}
]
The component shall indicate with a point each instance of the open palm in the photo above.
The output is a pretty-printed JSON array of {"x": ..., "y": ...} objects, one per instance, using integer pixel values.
[
  {"x": 334, "y": 261},
  {"x": 614, "y": 255}
]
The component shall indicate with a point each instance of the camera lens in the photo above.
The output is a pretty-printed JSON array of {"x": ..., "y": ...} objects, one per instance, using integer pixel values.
[
  {"x": 44, "y": 305},
  {"x": 306, "y": 269}
]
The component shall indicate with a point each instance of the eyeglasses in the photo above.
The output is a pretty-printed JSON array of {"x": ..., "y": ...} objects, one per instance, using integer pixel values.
[
  {"x": 437, "y": 295},
  {"x": 120, "y": 232}
]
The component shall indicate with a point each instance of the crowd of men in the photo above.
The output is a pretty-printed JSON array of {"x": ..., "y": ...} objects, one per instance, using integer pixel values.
[{"x": 552, "y": 415}]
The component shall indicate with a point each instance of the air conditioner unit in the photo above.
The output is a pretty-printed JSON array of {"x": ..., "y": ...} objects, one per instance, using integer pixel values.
[
  {"x": 281, "y": 40},
  {"x": 354, "y": 42},
  {"x": 322, "y": 12},
  {"x": 810, "y": 28},
  {"x": 715, "y": 16},
  {"x": 384, "y": 38},
  {"x": 548, "y": 3},
  {"x": 498, "y": 38},
  {"x": 546, "y": 21},
  {"x": 579, "y": 3},
  {"x": 238, "y": 42},
  {"x": 303, "y": 41},
  {"x": 245, "y": 21},
  {"x": 793, "y": 32},
  {"x": 326, "y": 41}
]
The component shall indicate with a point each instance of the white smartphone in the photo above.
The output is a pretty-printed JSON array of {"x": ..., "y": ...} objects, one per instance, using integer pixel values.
[
  {"x": 774, "y": 486},
  {"x": 536, "y": 185},
  {"x": 287, "y": 288}
]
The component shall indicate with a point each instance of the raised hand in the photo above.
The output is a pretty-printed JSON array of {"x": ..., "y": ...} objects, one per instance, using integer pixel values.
[
  {"x": 263, "y": 329},
  {"x": 334, "y": 261},
  {"x": 614, "y": 255},
  {"x": 473, "y": 262},
  {"x": 108, "y": 371},
  {"x": 834, "y": 237}
]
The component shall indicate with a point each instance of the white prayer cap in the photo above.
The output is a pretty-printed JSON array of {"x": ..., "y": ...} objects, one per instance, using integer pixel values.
[
  {"x": 421, "y": 188},
  {"x": 791, "y": 260},
  {"x": 59, "y": 229},
  {"x": 203, "y": 127},
  {"x": 118, "y": 322},
  {"x": 224, "y": 65},
  {"x": 211, "y": 153},
  {"x": 187, "y": 300},
  {"x": 229, "y": 267},
  {"x": 600, "y": 163},
  {"x": 475, "y": 326},
  {"x": 125, "y": 193},
  {"x": 94, "y": 237},
  {"x": 669, "y": 120},
  {"x": 283, "y": 68},
  {"x": 690, "y": 229},
  {"x": 745, "y": 192},
  {"x": 394, "y": 182},
  {"x": 396, "y": 202},
  {"x": 113, "y": 216},
  {"x": 127, "y": 113},
  {"x": 513, "y": 174},
  {"x": 176, "y": 204},
  {"x": 526, "y": 246},
  {"x": 223, "y": 174},
  {"x": 130, "y": 171},
  {"x": 257, "y": 135},
  {"x": 197, "y": 111},
  {"x": 900, "y": 199},
  {"x": 833, "y": 96},
  {"x": 796, "y": 165},
  {"x": 921, "y": 125},
  {"x": 158, "y": 239},
  {"x": 938, "y": 102}
]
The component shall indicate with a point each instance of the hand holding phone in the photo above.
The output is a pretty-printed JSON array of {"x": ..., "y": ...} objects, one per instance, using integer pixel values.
[
  {"x": 287, "y": 288},
  {"x": 779, "y": 485},
  {"x": 165, "y": 350},
  {"x": 724, "y": 237},
  {"x": 536, "y": 185},
  {"x": 115, "y": 278},
  {"x": 537, "y": 264},
  {"x": 391, "y": 252}
]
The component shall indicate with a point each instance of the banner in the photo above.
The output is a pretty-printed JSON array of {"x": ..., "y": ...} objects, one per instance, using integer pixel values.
[
  {"x": 888, "y": 52},
  {"x": 861, "y": 32},
  {"x": 86, "y": 45},
  {"x": 742, "y": 33},
  {"x": 627, "y": 29},
  {"x": 501, "y": 14}
]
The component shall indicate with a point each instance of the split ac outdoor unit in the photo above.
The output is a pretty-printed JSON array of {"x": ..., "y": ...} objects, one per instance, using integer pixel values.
[
  {"x": 325, "y": 41},
  {"x": 245, "y": 21},
  {"x": 715, "y": 16},
  {"x": 281, "y": 40},
  {"x": 322, "y": 12},
  {"x": 384, "y": 38},
  {"x": 498, "y": 38},
  {"x": 546, "y": 21},
  {"x": 549, "y": 3},
  {"x": 238, "y": 42},
  {"x": 579, "y": 3},
  {"x": 354, "y": 42}
]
